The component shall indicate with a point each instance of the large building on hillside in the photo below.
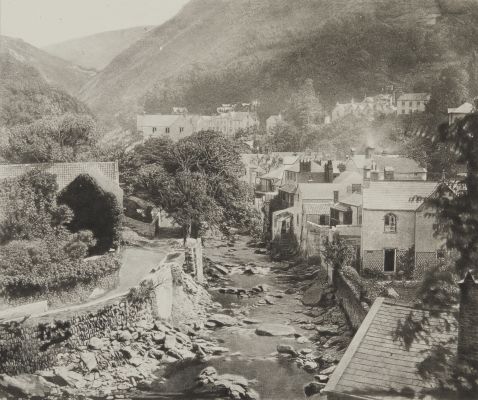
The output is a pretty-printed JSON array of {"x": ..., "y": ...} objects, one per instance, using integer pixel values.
[
  {"x": 174, "y": 126},
  {"x": 370, "y": 107},
  {"x": 228, "y": 123},
  {"x": 409, "y": 103},
  {"x": 396, "y": 226}
]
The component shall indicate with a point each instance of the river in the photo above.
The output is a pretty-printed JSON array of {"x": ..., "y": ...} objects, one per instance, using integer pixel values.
[{"x": 250, "y": 355}]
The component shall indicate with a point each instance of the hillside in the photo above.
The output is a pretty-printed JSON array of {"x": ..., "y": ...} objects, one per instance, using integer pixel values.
[
  {"x": 26, "y": 96},
  {"x": 226, "y": 50},
  {"x": 54, "y": 70},
  {"x": 97, "y": 51}
]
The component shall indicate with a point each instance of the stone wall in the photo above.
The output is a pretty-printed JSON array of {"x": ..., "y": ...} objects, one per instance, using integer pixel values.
[{"x": 349, "y": 299}]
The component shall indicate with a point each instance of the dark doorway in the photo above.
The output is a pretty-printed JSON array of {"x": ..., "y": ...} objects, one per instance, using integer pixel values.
[{"x": 389, "y": 260}]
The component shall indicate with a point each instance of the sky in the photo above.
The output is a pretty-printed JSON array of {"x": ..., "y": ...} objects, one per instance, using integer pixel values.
[{"x": 44, "y": 22}]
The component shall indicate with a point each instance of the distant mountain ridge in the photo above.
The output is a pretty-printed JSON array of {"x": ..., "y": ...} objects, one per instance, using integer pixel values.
[
  {"x": 54, "y": 70},
  {"x": 210, "y": 35},
  {"x": 98, "y": 50}
]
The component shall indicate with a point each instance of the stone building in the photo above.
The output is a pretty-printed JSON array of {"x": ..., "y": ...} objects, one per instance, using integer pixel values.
[
  {"x": 409, "y": 103},
  {"x": 175, "y": 126}
]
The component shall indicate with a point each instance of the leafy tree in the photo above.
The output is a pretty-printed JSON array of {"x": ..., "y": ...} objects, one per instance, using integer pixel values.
[
  {"x": 51, "y": 139},
  {"x": 95, "y": 210},
  {"x": 285, "y": 137},
  {"x": 304, "y": 107}
]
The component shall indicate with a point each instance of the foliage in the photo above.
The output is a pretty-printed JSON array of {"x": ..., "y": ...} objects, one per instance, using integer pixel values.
[
  {"x": 335, "y": 253},
  {"x": 407, "y": 263},
  {"x": 195, "y": 180},
  {"x": 51, "y": 139},
  {"x": 140, "y": 294},
  {"x": 304, "y": 107},
  {"x": 30, "y": 207},
  {"x": 94, "y": 209}
]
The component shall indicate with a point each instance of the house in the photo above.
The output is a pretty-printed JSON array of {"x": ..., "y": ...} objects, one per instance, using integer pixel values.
[
  {"x": 409, "y": 103},
  {"x": 175, "y": 126},
  {"x": 106, "y": 174},
  {"x": 272, "y": 122},
  {"x": 396, "y": 227},
  {"x": 369, "y": 107},
  {"x": 228, "y": 123},
  {"x": 180, "y": 110},
  {"x": 308, "y": 171},
  {"x": 374, "y": 167},
  {"x": 352, "y": 179},
  {"x": 347, "y": 211},
  {"x": 459, "y": 112},
  {"x": 377, "y": 366}
]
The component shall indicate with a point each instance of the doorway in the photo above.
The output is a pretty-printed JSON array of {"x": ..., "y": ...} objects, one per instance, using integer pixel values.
[{"x": 389, "y": 260}]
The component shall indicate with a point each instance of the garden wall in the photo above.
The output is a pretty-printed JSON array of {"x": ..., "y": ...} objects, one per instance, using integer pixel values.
[{"x": 349, "y": 300}]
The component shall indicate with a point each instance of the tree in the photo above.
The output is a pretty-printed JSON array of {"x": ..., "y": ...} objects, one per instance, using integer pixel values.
[
  {"x": 196, "y": 181},
  {"x": 285, "y": 137},
  {"x": 51, "y": 139},
  {"x": 304, "y": 107}
]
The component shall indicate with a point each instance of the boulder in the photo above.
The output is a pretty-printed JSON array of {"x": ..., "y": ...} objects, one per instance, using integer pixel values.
[
  {"x": 392, "y": 293},
  {"x": 310, "y": 366},
  {"x": 249, "y": 271},
  {"x": 321, "y": 378},
  {"x": 251, "y": 321},
  {"x": 269, "y": 300},
  {"x": 302, "y": 340},
  {"x": 95, "y": 343},
  {"x": 313, "y": 388},
  {"x": 328, "y": 330},
  {"x": 169, "y": 342},
  {"x": 275, "y": 330},
  {"x": 222, "y": 320},
  {"x": 313, "y": 295},
  {"x": 25, "y": 385},
  {"x": 125, "y": 336},
  {"x": 328, "y": 371},
  {"x": 158, "y": 337},
  {"x": 89, "y": 359},
  {"x": 286, "y": 349},
  {"x": 70, "y": 378}
]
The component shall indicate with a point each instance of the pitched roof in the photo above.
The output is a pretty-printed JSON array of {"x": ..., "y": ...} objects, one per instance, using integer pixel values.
[
  {"x": 105, "y": 173},
  {"x": 158, "y": 120},
  {"x": 353, "y": 199},
  {"x": 397, "y": 195},
  {"x": 317, "y": 208},
  {"x": 319, "y": 191},
  {"x": 465, "y": 108},
  {"x": 349, "y": 177},
  {"x": 289, "y": 188},
  {"x": 275, "y": 173},
  {"x": 401, "y": 165},
  {"x": 314, "y": 167},
  {"x": 376, "y": 366},
  {"x": 414, "y": 97}
]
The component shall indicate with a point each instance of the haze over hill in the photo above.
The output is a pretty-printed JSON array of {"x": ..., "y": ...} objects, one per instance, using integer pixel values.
[
  {"x": 209, "y": 36},
  {"x": 54, "y": 70},
  {"x": 96, "y": 51}
]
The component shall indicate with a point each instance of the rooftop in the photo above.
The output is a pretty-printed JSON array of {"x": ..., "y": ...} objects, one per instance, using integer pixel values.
[
  {"x": 275, "y": 173},
  {"x": 317, "y": 208},
  {"x": 465, "y": 108},
  {"x": 349, "y": 177},
  {"x": 319, "y": 191},
  {"x": 399, "y": 164},
  {"x": 158, "y": 120},
  {"x": 414, "y": 97},
  {"x": 397, "y": 195},
  {"x": 353, "y": 199},
  {"x": 377, "y": 366}
]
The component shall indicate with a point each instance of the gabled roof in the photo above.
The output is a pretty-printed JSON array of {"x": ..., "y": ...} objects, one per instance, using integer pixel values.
[
  {"x": 414, "y": 97},
  {"x": 349, "y": 177},
  {"x": 376, "y": 366},
  {"x": 317, "y": 208},
  {"x": 289, "y": 188},
  {"x": 465, "y": 108},
  {"x": 319, "y": 191},
  {"x": 275, "y": 173},
  {"x": 401, "y": 165},
  {"x": 353, "y": 199},
  {"x": 314, "y": 167},
  {"x": 397, "y": 195},
  {"x": 158, "y": 120}
]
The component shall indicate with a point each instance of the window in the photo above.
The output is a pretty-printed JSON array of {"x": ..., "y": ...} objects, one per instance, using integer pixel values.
[
  {"x": 403, "y": 111},
  {"x": 154, "y": 129},
  {"x": 390, "y": 224},
  {"x": 324, "y": 219},
  {"x": 403, "y": 104},
  {"x": 181, "y": 129},
  {"x": 410, "y": 103},
  {"x": 441, "y": 254},
  {"x": 167, "y": 130}
]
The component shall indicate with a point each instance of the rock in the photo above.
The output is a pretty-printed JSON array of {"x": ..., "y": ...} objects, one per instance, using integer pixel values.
[
  {"x": 97, "y": 292},
  {"x": 310, "y": 366},
  {"x": 328, "y": 330},
  {"x": 95, "y": 343},
  {"x": 264, "y": 287},
  {"x": 312, "y": 388},
  {"x": 25, "y": 385},
  {"x": 251, "y": 321},
  {"x": 286, "y": 349},
  {"x": 218, "y": 350},
  {"x": 125, "y": 336},
  {"x": 158, "y": 337},
  {"x": 321, "y": 378},
  {"x": 328, "y": 371},
  {"x": 169, "y": 342},
  {"x": 305, "y": 351},
  {"x": 302, "y": 340},
  {"x": 136, "y": 361},
  {"x": 392, "y": 293},
  {"x": 220, "y": 268},
  {"x": 313, "y": 295},
  {"x": 269, "y": 300},
  {"x": 71, "y": 378},
  {"x": 249, "y": 271},
  {"x": 275, "y": 330},
  {"x": 222, "y": 320},
  {"x": 89, "y": 359}
]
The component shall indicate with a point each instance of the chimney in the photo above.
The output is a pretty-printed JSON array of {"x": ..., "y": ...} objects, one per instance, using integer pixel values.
[
  {"x": 366, "y": 173},
  {"x": 336, "y": 196},
  {"x": 369, "y": 152},
  {"x": 329, "y": 172},
  {"x": 352, "y": 151},
  {"x": 468, "y": 320},
  {"x": 388, "y": 174},
  {"x": 304, "y": 166},
  {"x": 374, "y": 175}
]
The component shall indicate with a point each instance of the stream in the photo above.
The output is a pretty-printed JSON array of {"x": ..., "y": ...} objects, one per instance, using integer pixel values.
[{"x": 250, "y": 355}]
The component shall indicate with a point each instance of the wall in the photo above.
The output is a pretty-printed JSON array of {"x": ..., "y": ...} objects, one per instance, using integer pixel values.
[{"x": 349, "y": 300}]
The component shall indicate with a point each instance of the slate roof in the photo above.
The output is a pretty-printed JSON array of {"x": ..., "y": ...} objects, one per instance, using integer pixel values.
[
  {"x": 465, "y": 108},
  {"x": 396, "y": 195},
  {"x": 314, "y": 167},
  {"x": 399, "y": 164},
  {"x": 414, "y": 97},
  {"x": 349, "y": 177},
  {"x": 105, "y": 173},
  {"x": 316, "y": 208},
  {"x": 375, "y": 366},
  {"x": 319, "y": 191},
  {"x": 158, "y": 120}
]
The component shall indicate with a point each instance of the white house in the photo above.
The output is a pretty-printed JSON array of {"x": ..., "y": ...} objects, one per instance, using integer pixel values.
[
  {"x": 409, "y": 103},
  {"x": 175, "y": 126},
  {"x": 459, "y": 112}
]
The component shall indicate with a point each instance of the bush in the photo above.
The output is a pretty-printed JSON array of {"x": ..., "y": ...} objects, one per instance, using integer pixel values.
[{"x": 94, "y": 209}]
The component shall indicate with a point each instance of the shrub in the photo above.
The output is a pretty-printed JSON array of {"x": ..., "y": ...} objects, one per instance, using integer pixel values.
[{"x": 94, "y": 209}]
